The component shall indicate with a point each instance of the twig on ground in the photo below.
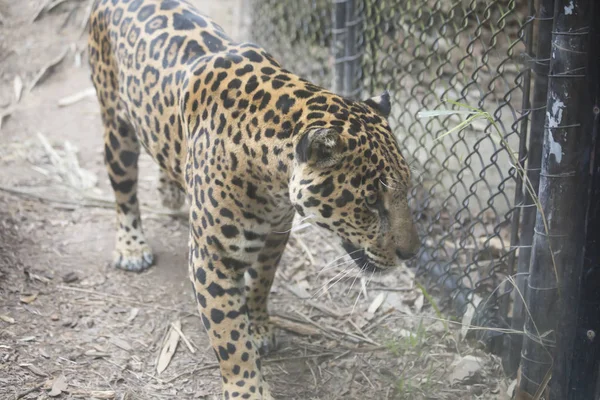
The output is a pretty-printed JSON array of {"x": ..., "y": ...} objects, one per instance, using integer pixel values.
[
  {"x": 48, "y": 69},
  {"x": 87, "y": 201},
  {"x": 28, "y": 391},
  {"x": 120, "y": 298},
  {"x": 177, "y": 328},
  {"x": 76, "y": 97}
]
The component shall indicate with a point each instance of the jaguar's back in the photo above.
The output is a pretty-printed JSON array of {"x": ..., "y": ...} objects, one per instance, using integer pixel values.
[{"x": 140, "y": 53}]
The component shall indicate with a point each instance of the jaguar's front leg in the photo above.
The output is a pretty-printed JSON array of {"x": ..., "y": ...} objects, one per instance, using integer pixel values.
[
  {"x": 259, "y": 279},
  {"x": 218, "y": 282}
]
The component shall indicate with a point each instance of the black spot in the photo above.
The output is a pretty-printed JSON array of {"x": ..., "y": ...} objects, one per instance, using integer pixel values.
[
  {"x": 345, "y": 198},
  {"x": 201, "y": 275},
  {"x": 172, "y": 51},
  {"x": 217, "y": 316},
  {"x": 284, "y": 103},
  {"x": 128, "y": 158},
  {"x": 231, "y": 348},
  {"x": 326, "y": 211},
  {"x": 169, "y": 4},
  {"x": 156, "y": 23},
  {"x": 232, "y": 263},
  {"x": 133, "y": 35},
  {"x": 192, "y": 51},
  {"x": 117, "y": 15},
  {"x": 157, "y": 44},
  {"x": 251, "y": 85},
  {"x": 114, "y": 142},
  {"x": 201, "y": 300},
  {"x": 230, "y": 231},
  {"x": 312, "y": 202},
  {"x": 325, "y": 188},
  {"x": 215, "y": 290},
  {"x": 213, "y": 44},
  {"x": 244, "y": 70},
  {"x": 145, "y": 12},
  {"x": 135, "y": 5},
  {"x": 223, "y": 353},
  {"x": 108, "y": 155},
  {"x": 253, "y": 56},
  {"x": 150, "y": 76},
  {"x": 180, "y": 23},
  {"x": 206, "y": 322},
  {"x": 124, "y": 186}
]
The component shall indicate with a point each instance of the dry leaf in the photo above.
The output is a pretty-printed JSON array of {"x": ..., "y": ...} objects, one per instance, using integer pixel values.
[
  {"x": 465, "y": 367},
  {"x": 44, "y": 353},
  {"x": 299, "y": 291},
  {"x": 419, "y": 303},
  {"x": 18, "y": 86},
  {"x": 34, "y": 369},
  {"x": 168, "y": 350},
  {"x": 375, "y": 304},
  {"x": 58, "y": 386},
  {"x": 95, "y": 353},
  {"x": 406, "y": 334},
  {"x": 510, "y": 391},
  {"x": 134, "y": 312},
  {"x": 467, "y": 318},
  {"x": 177, "y": 326},
  {"x": 28, "y": 299},
  {"x": 120, "y": 343},
  {"x": 8, "y": 319},
  {"x": 5, "y": 114}
]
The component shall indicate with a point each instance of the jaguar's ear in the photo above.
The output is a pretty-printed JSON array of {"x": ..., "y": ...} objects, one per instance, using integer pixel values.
[
  {"x": 381, "y": 104},
  {"x": 320, "y": 147}
]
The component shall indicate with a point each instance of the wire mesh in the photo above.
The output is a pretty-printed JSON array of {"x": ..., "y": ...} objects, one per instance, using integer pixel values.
[{"x": 466, "y": 187}]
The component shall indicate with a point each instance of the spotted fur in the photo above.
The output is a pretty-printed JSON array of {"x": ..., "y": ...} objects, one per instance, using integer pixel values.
[{"x": 249, "y": 144}]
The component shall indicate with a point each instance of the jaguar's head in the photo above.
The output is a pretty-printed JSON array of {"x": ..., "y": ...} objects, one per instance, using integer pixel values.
[{"x": 350, "y": 178}]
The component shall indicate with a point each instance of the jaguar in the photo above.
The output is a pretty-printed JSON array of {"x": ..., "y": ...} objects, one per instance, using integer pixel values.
[{"x": 249, "y": 144}]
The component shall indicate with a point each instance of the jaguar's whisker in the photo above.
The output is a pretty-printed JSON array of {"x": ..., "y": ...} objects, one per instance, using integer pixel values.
[
  {"x": 357, "y": 296},
  {"x": 343, "y": 263},
  {"x": 326, "y": 283},
  {"x": 327, "y": 288}
]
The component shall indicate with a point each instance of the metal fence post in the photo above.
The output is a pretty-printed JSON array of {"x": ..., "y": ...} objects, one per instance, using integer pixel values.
[
  {"x": 585, "y": 362},
  {"x": 338, "y": 45},
  {"x": 557, "y": 254},
  {"x": 540, "y": 66},
  {"x": 352, "y": 60}
]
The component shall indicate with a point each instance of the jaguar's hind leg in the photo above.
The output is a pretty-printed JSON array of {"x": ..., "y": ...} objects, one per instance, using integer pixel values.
[{"x": 171, "y": 194}]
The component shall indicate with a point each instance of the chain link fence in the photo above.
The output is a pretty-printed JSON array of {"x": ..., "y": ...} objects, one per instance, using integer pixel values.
[{"x": 466, "y": 188}]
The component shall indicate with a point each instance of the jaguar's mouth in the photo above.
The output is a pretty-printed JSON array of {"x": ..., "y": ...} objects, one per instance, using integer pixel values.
[{"x": 362, "y": 260}]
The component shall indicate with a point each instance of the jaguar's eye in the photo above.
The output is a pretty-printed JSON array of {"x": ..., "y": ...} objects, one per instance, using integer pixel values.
[{"x": 372, "y": 198}]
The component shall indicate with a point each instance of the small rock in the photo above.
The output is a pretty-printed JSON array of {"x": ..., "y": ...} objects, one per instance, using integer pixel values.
[
  {"x": 70, "y": 277},
  {"x": 465, "y": 367},
  {"x": 54, "y": 317}
]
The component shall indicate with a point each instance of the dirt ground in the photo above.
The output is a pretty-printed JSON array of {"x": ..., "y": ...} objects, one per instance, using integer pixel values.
[{"x": 72, "y": 327}]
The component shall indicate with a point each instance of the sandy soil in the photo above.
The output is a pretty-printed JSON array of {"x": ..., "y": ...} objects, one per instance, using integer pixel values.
[{"x": 72, "y": 327}]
